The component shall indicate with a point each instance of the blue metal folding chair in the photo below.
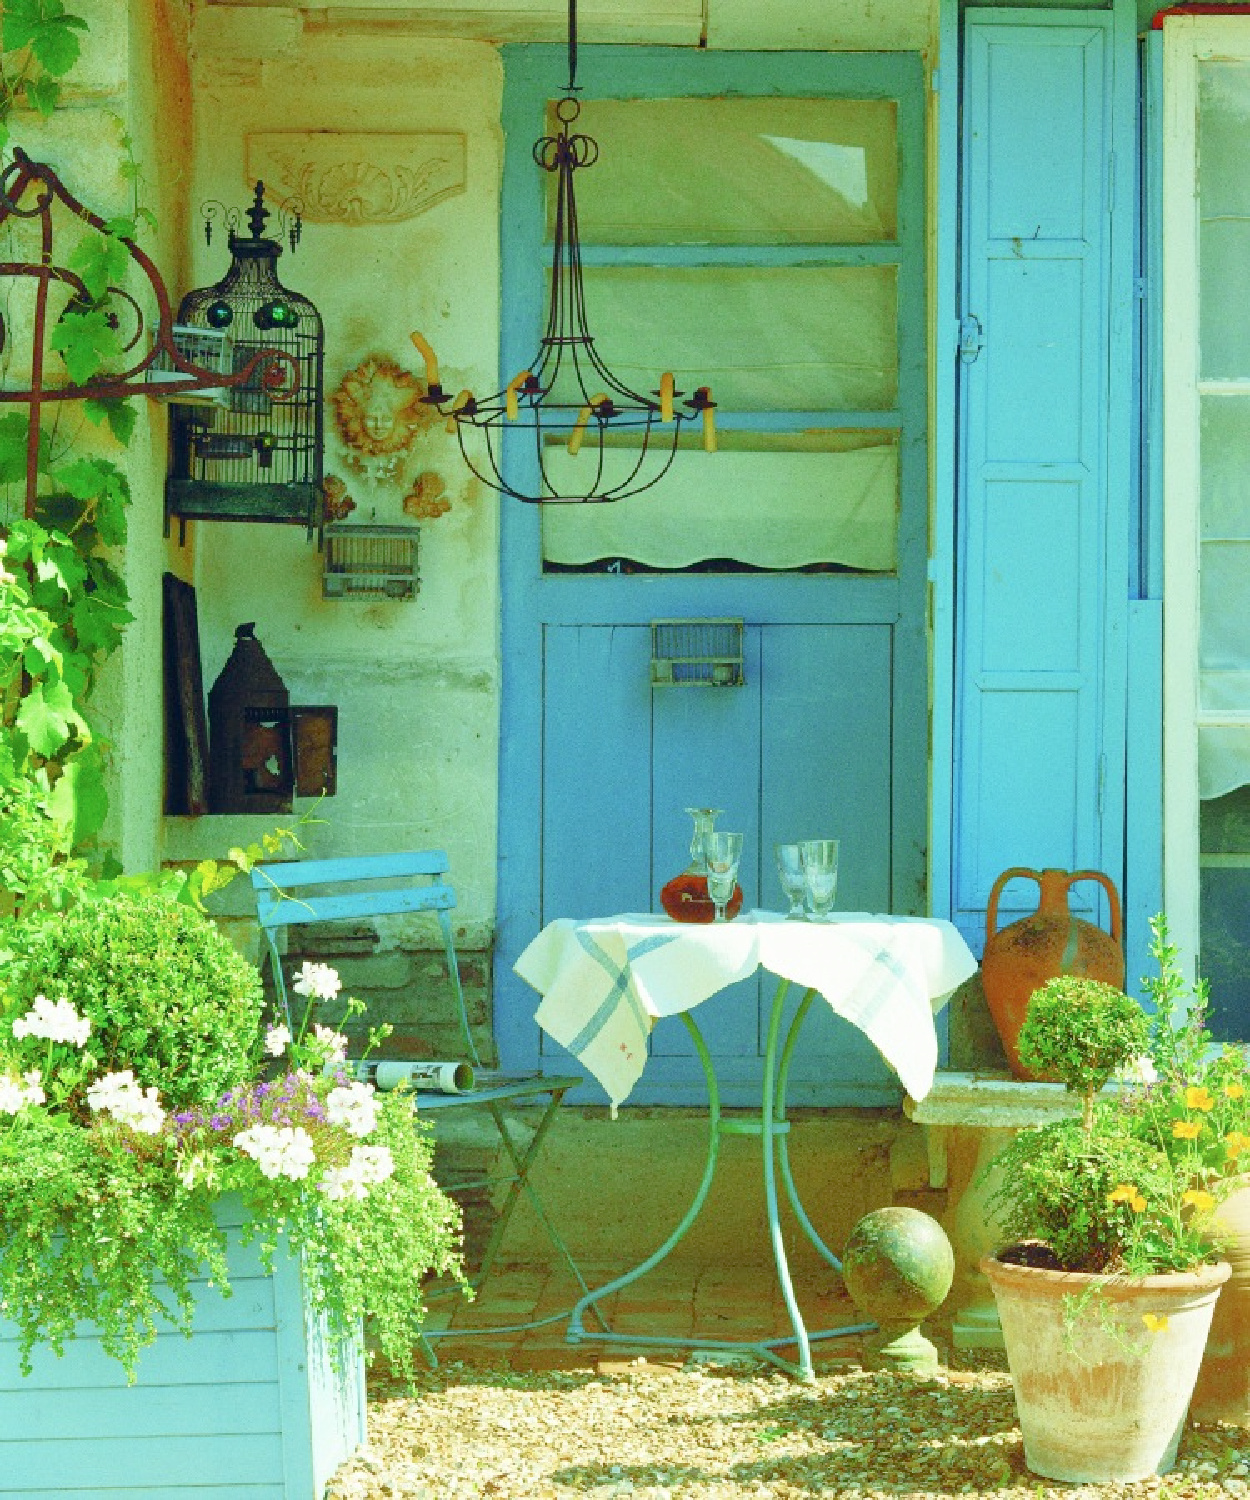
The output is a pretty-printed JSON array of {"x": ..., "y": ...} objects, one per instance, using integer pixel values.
[{"x": 345, "y": 890}]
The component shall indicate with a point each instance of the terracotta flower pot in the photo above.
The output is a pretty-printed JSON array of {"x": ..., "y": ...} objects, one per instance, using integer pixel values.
[
  {"x": 1223, "y": 1390},
  {"x": 1102, "y": 1400}
]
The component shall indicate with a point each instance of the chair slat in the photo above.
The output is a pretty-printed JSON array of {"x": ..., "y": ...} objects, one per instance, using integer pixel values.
[{"x": 288, "y": 908}]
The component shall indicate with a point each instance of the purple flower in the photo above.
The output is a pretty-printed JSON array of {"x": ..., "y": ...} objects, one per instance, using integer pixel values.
[
  {"x": 315, "y": 1110},
  {"x": 184, "y": 1117},
  {"x": 219, "y": 1122}
]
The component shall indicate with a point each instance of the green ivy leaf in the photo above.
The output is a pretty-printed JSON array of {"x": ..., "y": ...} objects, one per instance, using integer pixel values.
[
  {"x": 97, "y": 624},
  {"x": 61, "y": 564},
  {"x": 43, "y": 94},
  {"x": 99, "y": 481},
  {"x": 118, "y": 413},
  {"x": 86, "y": 341},
  {"x": 13, "y": 432},
  {"x": 78, "y": 800},
  {"x": 48, "y": 718},
  {"x": 102, "y": 261},
  {"x": 41, "y": 658},
  {"x": 47, "y": 29}
]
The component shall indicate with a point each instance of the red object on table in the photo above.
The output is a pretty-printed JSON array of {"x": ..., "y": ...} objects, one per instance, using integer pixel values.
[{"x": 685, "y": 899}]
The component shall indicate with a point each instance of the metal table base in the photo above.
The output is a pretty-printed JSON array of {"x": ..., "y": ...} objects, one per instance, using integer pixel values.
[{"x": 772, "y": 1127}]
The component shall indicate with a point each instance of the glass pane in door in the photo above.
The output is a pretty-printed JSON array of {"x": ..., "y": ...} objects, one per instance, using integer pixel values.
[{"x": 1224, "y": 545}]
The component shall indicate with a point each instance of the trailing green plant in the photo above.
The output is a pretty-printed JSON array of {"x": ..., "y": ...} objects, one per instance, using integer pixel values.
[{"x": 129, "y": 1111}]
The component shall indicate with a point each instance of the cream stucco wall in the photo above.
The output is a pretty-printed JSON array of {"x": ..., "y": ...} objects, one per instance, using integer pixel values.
[{"x": 416, "y": 683}]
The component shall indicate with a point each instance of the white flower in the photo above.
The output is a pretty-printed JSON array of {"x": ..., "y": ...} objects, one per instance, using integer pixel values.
[
  {"x": 278, "y": 1150},
  {"x": 374, "y": 1163},
  {"x": 12, "y": 1095},
  {"x": 130, "y": 1105},
  {"x": 332, "y": 1042},
  {"x": 368, "y": 1165},
  {"x": 58, "y": 1023},
  {"x": 354, "y": 1106},
  {"x": 1140, "y": 1070},
  {"x": 317, "y": 980},
  {"x": 277, "y": 1041},
  {"x": 34, "y": 1087}
]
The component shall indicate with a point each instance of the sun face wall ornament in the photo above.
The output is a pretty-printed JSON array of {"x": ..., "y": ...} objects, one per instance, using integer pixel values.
[
  {"x": 378, "y": 414},
  {"x": 567, "y": 401}
]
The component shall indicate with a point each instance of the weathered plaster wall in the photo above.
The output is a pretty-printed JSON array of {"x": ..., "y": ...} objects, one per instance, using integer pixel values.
[
  {"x": 129, "y": 81},
  {"x": 416, "y": 684}
]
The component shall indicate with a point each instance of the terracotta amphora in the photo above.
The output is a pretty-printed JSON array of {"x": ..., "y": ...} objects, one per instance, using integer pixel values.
[{"x": 1022, "y": 957}]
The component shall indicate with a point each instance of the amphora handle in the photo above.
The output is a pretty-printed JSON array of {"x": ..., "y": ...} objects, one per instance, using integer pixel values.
[{"x": 1113, "y": 897}]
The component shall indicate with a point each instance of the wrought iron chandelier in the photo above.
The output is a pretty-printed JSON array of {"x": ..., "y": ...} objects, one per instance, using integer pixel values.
[{"x": 567, "y": 399}]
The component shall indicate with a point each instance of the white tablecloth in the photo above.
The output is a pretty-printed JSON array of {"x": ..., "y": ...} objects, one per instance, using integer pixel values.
[{"x": 605, "y": 982}]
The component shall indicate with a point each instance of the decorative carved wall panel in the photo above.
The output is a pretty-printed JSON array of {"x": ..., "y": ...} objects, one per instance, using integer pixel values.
[{"x": 358, "y": 178}]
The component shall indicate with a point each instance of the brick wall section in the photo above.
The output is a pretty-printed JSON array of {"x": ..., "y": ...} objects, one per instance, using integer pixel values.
[{"x": 405, "y": 986}]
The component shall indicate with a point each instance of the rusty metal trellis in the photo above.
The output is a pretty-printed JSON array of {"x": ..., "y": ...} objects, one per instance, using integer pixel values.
[{"x": 31, "y": 190}]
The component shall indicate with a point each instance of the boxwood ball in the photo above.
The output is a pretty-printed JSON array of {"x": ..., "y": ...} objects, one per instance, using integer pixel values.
[{"x": 898, "y": 1265}]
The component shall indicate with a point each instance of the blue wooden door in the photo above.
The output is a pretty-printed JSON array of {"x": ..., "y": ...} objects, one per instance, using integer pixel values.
[
  {"x": 1046, "y": 292},
  {"x": 827, "y": 734}
]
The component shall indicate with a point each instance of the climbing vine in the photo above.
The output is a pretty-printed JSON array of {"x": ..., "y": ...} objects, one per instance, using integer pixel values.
[{"x": 63, "y": 602}]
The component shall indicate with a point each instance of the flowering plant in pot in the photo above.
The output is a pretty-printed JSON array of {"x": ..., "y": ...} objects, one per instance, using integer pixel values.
[
  {"x": 1195, "y": 1108},
  {"x": 144, "y": 1106},
  {"x": 1108, "y": 1277}
]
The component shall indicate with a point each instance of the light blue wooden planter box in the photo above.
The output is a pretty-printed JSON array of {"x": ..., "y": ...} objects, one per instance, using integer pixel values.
[{"x": 248, "y": 1408}]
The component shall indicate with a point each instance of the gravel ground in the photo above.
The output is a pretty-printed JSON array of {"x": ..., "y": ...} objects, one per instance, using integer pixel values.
[{"x": 717, "y": 1432}]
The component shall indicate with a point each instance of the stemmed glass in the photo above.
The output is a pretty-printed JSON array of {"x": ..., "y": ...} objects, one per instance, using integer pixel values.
[
  {"x": 793, "y": 884},
  {"x": 820, "y": 875},
  {"x": 722, "y": 851}
]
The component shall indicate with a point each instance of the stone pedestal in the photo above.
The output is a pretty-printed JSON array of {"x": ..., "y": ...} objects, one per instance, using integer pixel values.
[{"x": 968, "y": 1118}]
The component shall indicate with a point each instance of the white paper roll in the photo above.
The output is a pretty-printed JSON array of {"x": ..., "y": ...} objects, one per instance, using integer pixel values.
[{"x": 445, "y": 1077}]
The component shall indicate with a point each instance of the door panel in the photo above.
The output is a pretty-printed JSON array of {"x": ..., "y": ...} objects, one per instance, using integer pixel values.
[
  {"x": 1036, "y": 738},
  {"x": 827, "y": 737}
]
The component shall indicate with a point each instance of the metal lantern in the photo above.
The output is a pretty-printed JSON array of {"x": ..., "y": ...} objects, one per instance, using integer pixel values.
[
  {"x": 258, "y": 455},
  {"x": 249, "y": 725}
]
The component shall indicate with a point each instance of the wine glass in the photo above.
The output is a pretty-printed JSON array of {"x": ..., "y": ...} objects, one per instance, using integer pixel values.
[
  {"x": 722, "y": 851},
  {"x": 793, "y": 884},
  {"x": 820, "y": 875}
]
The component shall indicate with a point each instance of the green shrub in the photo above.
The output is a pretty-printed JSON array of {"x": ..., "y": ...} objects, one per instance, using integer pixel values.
[{"x": 166, "y": 994}]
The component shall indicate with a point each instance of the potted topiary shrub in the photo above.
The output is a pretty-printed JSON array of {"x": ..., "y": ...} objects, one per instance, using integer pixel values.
[
  {"x": 1107, "y": 1283},
  {"x": 160, "y": 1148}
]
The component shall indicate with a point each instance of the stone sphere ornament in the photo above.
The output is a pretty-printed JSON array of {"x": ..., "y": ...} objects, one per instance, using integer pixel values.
[{"x": 898, "y": 1266}]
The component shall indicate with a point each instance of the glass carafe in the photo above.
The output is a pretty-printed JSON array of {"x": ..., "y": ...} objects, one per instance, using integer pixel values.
[{"x": 685, "y": 897}]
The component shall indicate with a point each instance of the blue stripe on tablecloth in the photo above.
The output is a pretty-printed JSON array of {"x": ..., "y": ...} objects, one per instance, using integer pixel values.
[{"x": 620, "y": 989}]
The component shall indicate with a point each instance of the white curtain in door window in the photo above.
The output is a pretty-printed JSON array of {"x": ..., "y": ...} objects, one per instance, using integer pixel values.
[{"x": 770, "y": 510}]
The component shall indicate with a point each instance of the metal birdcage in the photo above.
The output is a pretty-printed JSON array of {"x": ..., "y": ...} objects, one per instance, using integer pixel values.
[
  {"x": 370, "y": 562},
  {"x": 258, "y": 456},
  {"x": 696, "y": 653}
]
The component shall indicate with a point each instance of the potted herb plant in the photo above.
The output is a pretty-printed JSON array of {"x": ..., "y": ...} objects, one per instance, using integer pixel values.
[
  {"x": 160, "y": 1148},
  {"x": 1108, "y": 1279}
]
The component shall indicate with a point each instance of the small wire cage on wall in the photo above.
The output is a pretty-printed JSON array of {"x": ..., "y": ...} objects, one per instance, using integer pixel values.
[
  {"x": 370, "y": 562},
  {"x": 258, "y": 455}
]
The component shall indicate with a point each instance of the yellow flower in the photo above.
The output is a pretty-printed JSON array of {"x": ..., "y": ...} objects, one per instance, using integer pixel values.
[
  {"x": 1197, "y": 1097},
  {"x": 1126, "y": 1193},
  {"x": 1186, "y": 1130},
  {"x": 1156, "y": 1322},
  {"x": 1234, "y": 1091},
  {"x": 1235, "y": 1143},
  {"x": 1200, "y": 1199}
]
